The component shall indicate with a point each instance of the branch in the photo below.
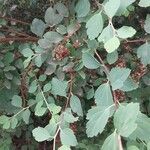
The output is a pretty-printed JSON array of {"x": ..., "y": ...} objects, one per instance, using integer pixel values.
[
  {"x": 136, "y": 41},
  {"x": 23, "y": 109},
  {"x": 102, "y": 62},
  {"x": 45, "y": 100},
  {"x": 9, "y": 29},
  {"x": 77, "y": 27},
  {"x": 15, "y": 20},
  {"x": 98, "y": 4},
  {"x": 107, "y": 73},
  {"x": 70, "y": 90},
  {"x": 113, "y": 93},
  {"x": 115, "y": 99},
  {"x": 120, "y": 143},
  {"x": 67, "y": 103},
  {"x": 18, "y": 39},
  {"x": 55, "y": 136}
]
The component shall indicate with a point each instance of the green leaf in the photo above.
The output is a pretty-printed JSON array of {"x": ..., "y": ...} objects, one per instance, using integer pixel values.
[
  {"x": 148, "y": 145},
  {"x": 3, "y": 119},
  {"x": 42, "y": 77},
  {"x": 147, "y": 24},
  {"x": 38, "y": 27},
  {"x": 59, "y": 87},
  {"x": 64, "y": 147},
  {"x": 67, "y": 137},
  {"x": 124, "y": 5},
  {"x": 106, "y": 34},
  {"x": 142, "y": 131},
  {"x": 26, "y": 62},
  {"x": 8, "y": 75},
  {"x": 92, "y": 44},
  {"x": 54, "y": 108},
  {"x": 82, "y": 74},
  {"x": 9, "y": 68},
  {"x": 112, "y": 44},
  {"x": 40, "y": 59},
  {"x": 2, "y": 64},
  {"x": 3, "y": 22},
  {"x": 53, "y": 37},
  {"x": 50, "y": 69},
  {"x": 90, "y": 93},
  {"x": 27, "y": 52},
  {"x": 39, "y": 97},
  {"x": 14, "y": 122},
  {"x": 126, "y": 32},
  {"x": 47, "y": 87},
  {"x": 125, "y": 119},
  {"x": 111, "y": 7},
  {"x": 94, "y": 26},
  {"x": 82, "y": 8},
  {"x": 44, "y": 43},
  {"x": 26, "y": 116},
  {"x": 129, "y": 85},
  {"x": 103, "y": 95},
  {"x": 7, "y": 125},
  {"x": 118, "y": 76},
  {"x": 68, "y": 117},
  {"x": 143, "y": 53},
  {"x": 52, "y": 18},
  {"x": 75, "y": 105},
  {"x": 89, "y": 61},
  {"x": 7, "y": 84},
  {"x": 98, "y": 118},
  {"x": 61, "y": 29},
  {"x": 8, "y": 58},
  {"x": 16, "y": 101},
  {"x": 33, "y": 86},
  {"x": 38, "y": 50},
  {"x": 111, "y": 142},
  {"x": 144, "y": 3},
  {"x": 40, "y": 134},
  {"x": 72, "y": 27},
  {"x": 39, "y": 110},
  {"x": 61, "y": 9},
  {"x": 112, "y": 57},
  {"x": 132, "y": 147},
  {"x": 51, "y": 128}
]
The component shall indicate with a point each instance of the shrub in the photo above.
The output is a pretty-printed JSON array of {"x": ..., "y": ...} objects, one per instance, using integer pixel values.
[{"x": 80, "y": 80}]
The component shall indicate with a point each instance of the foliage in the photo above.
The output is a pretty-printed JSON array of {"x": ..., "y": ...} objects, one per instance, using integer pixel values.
[{"x": 77, "y": 77}]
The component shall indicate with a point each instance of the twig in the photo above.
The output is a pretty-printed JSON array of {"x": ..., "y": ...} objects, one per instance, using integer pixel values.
[
  {"x": 77, "y": 27},
  {"x": 23, "y": 88},
  {"x": 113, "y": 93},
  {"x": 47, "y": 105},
  {"x": 99, "y": 5},
  {"x": 120, "y": 143},
  {"x": 67, "y": 103},
  {"x": 54, "y": 141},
  {"x": 23, "y": 92},
  {"x": 15, "y": 20},
  {"x": 18, "y": 39},
  {"x": 14, "y": 31},
  {"x": 23, "y": 109},
  {"x": 136, "y": 41},
  {"x": 107, "y": 73},
  {"x": 115, "y": 98},
  {"x": 28, "y": 68},
  {"x": 112, "y": 26},
  {"x": 70, "y": 90},
  {"x": 102, "y": 62}
]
